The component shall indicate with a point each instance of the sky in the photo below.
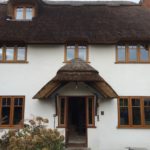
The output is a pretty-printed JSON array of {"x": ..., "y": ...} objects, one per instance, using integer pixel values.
[{"x": 137, "y": 1}]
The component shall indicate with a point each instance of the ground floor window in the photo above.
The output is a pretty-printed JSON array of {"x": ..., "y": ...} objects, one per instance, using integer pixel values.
[
  {"x": 134, "y": 112},
  {"x": 63, "y": 109},
  {"x": 11, "y": 111}
]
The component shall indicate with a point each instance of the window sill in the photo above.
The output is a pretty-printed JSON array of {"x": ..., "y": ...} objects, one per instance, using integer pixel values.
[
  {"x": 133, "y": 127},
  {"x": 19, "y": 20},
  {"x": 88, "y": 62},
  {"x": 132, "y": 62},
  {"x": 14, "y": 62},
  {"x": 11, "y": 126}
]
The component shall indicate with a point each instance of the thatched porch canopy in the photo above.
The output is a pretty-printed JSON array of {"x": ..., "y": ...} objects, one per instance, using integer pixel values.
[{"x": 77, "y": 71}]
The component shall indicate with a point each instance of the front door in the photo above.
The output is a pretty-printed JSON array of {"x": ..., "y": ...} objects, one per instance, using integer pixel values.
[
  {"x": 76, "y": 130},
  {"x": 76, "y": 114}
]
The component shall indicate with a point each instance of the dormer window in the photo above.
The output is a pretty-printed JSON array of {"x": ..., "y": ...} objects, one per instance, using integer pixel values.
[{"x": 24, "y": 13}]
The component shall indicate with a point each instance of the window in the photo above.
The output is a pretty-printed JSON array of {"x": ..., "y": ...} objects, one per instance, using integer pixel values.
[
  {"x": 13, "y": 54},
  {"x": 24, "y": 13},
  {"x": 134, "y": 112},
  {"x": 11, "y": 111},
  {"x": 132, "y": 54},
  {"x": 76, "y": 51}
]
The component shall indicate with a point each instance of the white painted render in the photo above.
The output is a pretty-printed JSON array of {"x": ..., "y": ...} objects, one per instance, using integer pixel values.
[{"x": 125, "y": 79}]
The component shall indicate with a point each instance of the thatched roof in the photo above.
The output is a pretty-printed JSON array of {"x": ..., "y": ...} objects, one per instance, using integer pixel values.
[
  {"x": 59, "y": 23},
  {"x": 77, "y": 71}
]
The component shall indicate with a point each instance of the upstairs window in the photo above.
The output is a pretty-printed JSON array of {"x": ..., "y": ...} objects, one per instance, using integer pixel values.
[
  {"x": 24, "y": 13},
  {"x": 76, "y": 51},
  {"x": 13, "y": 54},
  {"x": 132, "y": 54},
  {"x": 134, "y": 112}
]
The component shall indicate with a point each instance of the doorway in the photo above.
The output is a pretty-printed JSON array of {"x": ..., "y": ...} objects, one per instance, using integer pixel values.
[{"x": 76, "y": 131}]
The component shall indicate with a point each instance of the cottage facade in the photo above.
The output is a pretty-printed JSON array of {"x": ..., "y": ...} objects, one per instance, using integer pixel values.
[{"x": 84, "y": 66}]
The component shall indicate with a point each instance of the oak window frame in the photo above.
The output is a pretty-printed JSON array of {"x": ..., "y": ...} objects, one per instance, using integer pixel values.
[
  {"x": 12, "y": 106},
  {"x": 130, "y": 112},
  {"x": 15, "y": 54},
  {"x": 24, "y": 7},
  {"x": 76, "y": 52},
  {"x": 127, "y": 55}
]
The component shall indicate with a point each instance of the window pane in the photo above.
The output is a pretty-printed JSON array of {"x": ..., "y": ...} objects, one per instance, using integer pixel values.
[
  {"x": 1, "y": 54},
  {"x": 82, "y": 52},
  {"x": 136, "y": 113},
  {"x": 17, "y": 118},
  {"x": 124, "y": 116},
  {"x": 6, "y": 115},
  {"x": 123, "y": 102},
  {"x": 6, "y": 101},
  {"x": 135, "y": 102},
  {"x": 146, "y": 102},
  {"x": 9, "y": 53},
  {"x": 147, "y": 111},
  {"x": 121, "y": 53},
  {"x": 19, "y": 13},
  {"x": 147, "y": 115},
  {"x": 90, "y": 111},
  {"x": 132, "y": 53},
  {"x": 143, "y": 54},
  {"x": 70, "y": 52},
  {"x": 18, "y": 101},
  {"x": 29, "y": 13},
  {"x": 21, "y": 53},
  {"x": 62, "y": 111}
]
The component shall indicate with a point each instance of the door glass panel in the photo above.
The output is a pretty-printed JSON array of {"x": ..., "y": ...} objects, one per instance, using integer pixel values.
[
  {"x": 62, "y": 111},
  {"x": 90, "y": 111}
]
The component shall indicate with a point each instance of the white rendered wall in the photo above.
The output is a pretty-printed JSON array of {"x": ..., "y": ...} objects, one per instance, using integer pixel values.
[{"x": 125, "y": 79}]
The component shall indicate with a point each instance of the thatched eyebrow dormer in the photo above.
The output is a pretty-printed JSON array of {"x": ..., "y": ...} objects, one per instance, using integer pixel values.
[
  {"x": 13, "y": 4},
  {"x": 77, "y": 71}
]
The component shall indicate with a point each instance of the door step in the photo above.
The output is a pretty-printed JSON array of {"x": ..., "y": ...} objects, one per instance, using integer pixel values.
[{"x": 77, "y": 148}]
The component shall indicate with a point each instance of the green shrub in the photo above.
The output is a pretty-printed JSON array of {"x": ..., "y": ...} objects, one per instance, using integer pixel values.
[{"x": 34, "y": 136}]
